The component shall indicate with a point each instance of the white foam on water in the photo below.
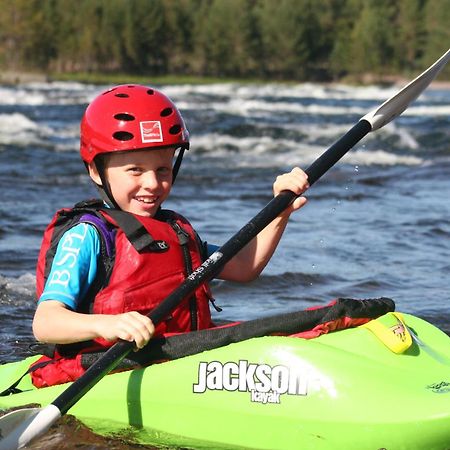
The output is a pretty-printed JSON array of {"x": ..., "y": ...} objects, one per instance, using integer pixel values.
[
  {"x": 274, "y": 90},
  {"x": 54, "y": 93},
  {"x": 380, "y": 157},
  {"x": 20, "y": 96},
  {"x": 254, "y": 100},
  {"x": 258, "y": 104},
  {"x": 16, "y": 128},
  {"x": 406, "y": 138},
  {"x": 331, "y": 132},
  {"x": 428, "y": 111},
  {"x": 249, "y": 107},
  {"x": 40, "y": 93},
  {"x": 24, "y": 285},
  {"x": 301, "y": 90},
  {"x": 268, "y": 152},
  {"x": 69, "y": 86},
  {"x": 16, "y": 122}
]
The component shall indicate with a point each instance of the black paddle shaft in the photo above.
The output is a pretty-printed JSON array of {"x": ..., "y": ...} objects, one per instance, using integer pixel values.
[{"x": 212, "y": 266}]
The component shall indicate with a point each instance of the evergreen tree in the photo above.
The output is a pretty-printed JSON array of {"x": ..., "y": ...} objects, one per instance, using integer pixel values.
[
  {"x": 320, "y": 17},
  {"x": 39, "y": 48},
  {"x": 296, "y": 39},
  {"x": 374, "y": 37},
  {"x": 285, "y": 29},
  {"x": 437, "y": 20},
  {"x": 110, "y": 45},
  {"x": 254, "y": 57},
  {"x": 341, "y": 56},
  {"x": 75, "y": 35},
  {"x": 411, "y": 35},
  {"x": 18, "y": 24},
  {"x": 144, "y": 36},
  {"x": 180, "y": 17},
  {"x": 218, "y": 38}
]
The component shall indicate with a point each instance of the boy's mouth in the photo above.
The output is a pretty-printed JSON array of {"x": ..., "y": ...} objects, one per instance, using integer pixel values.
[{"x": 147, "y": 200}]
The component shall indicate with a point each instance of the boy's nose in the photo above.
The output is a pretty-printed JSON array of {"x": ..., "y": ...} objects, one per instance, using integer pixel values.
[{"x": 149, "y": 180}]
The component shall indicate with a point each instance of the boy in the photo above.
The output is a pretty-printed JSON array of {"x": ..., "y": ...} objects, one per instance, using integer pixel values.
[{"x": 122, "y": 257}]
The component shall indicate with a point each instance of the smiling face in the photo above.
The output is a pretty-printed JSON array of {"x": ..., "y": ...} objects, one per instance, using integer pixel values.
[{"x": 139, "y": 180}]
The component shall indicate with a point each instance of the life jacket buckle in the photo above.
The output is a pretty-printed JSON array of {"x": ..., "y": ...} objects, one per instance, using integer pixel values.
[{"x": 158, "y": 246}]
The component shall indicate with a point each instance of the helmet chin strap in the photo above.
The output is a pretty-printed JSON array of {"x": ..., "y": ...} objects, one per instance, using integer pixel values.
[
  {"x": 110, "y": 202},
  {"x": 105, "y": 189},
  {"x": 177, "y": 164}
]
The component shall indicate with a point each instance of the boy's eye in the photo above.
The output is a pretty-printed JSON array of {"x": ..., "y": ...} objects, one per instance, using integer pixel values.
[
  {"x": 134, "y": 169},
  {"x": 164, "y": 170}
]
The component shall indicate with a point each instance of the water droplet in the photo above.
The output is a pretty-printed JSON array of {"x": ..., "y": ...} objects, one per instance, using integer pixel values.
[{"x": 356, "y": 168}]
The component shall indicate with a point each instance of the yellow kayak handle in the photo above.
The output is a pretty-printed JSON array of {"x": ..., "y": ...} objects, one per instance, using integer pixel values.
[{"x": 395, "y": 336}]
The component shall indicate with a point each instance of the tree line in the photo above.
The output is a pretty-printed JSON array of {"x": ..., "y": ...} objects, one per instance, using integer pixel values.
[{"x": 267, "y": 39}]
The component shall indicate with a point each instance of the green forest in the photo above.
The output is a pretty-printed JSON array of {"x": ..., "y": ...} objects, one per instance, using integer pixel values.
[{"x": 314, "y": 40}]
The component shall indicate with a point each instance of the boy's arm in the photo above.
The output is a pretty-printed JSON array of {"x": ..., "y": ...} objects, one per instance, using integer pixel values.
[
  {"x": 56, "y": 320},
  {"x": 251, "y": 260},
  {"x": 68, "y": 326}
]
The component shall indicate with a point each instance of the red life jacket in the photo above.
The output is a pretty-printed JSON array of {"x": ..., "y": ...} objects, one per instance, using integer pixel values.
[
  {"x": 141, "y": 280},
  {"x": 151, "y": 257}
]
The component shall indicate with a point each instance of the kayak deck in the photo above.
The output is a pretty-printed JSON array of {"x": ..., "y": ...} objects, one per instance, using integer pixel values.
[{"x": 341, "y": 390}]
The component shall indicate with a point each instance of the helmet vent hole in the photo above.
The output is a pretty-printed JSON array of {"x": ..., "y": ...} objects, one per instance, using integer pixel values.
[
  {"x": 150, "y": 91},
  {"x": 124, "y": 116},
  {"x": 175, "y": 129},
  {"x": 122, "y": 95},
  {"x": 166, "y": 112},
  {"x": 123, "y": 136}
]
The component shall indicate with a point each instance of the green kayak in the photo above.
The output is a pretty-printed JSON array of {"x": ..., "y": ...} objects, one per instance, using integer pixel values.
[{"x": 381, "y": 386}]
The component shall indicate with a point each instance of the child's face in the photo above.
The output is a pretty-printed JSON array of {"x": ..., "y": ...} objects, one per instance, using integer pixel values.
[{"x": 140, "y": 180}]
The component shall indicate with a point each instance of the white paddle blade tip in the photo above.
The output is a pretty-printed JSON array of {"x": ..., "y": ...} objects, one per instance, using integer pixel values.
[
  {"x": 395, "y": 105},
  {"x": 19, "y": 428}
]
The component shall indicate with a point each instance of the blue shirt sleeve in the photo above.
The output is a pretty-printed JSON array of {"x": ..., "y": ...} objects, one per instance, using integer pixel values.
[
  {"x": 74, "y": 266},
  {"x": 210, "y": 249}
]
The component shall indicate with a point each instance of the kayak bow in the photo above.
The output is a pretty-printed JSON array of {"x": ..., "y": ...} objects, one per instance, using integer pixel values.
[{"x": 350, "y": 389}]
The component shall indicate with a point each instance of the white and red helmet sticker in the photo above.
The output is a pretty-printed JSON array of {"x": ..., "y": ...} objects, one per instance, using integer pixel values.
[{"x": 151, "y": 131}]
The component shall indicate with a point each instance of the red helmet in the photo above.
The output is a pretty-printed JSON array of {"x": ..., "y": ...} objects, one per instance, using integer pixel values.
[{"x": 131, "y": 117}]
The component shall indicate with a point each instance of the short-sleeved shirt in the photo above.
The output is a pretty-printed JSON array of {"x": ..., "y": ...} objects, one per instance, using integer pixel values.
[{"x": 74, "y": 266}]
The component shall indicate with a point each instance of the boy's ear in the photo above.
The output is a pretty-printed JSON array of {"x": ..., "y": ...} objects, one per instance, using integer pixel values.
[{"x": 93, "y": 173}]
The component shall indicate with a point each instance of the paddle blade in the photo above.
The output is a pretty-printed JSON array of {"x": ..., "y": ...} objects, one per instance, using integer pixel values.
[
  {"x": 18, "y": 428},
  {"x": 395, "y": 105}
]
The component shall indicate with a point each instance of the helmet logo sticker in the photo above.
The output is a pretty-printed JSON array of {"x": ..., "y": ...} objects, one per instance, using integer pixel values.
[{"x": 151, "y": 131}]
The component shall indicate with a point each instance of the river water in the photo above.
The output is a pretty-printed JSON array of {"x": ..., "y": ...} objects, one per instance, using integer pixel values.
[{"x": 377, "y": 224}]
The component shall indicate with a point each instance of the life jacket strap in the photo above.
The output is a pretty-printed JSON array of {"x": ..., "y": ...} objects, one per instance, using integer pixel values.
[
  {"x": 135, "y": 232},
  {"x": 13, "y": 389},
  {"x": 183, "y": 239}
]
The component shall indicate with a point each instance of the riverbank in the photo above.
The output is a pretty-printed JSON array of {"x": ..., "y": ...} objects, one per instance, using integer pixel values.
[
  {"x": 13, "y": 77},
  {"x": 19, "y": 77}
]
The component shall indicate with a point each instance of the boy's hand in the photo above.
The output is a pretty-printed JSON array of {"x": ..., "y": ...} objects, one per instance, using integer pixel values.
[
  {"x": 296, "y": 181},
  {"x": 130, "y": 326}
]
